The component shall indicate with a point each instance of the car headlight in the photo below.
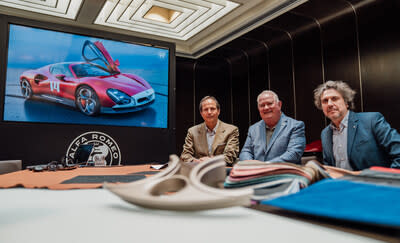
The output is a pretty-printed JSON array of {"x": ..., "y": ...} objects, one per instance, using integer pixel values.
[
  {"x": 151, "y": 94},
  {"x": 119, "y": 97}
]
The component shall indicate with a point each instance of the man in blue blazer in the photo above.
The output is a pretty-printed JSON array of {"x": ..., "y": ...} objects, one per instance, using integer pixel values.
[
  {"x": 354, "y": 141},
  {"x": 276, "y": 138}
]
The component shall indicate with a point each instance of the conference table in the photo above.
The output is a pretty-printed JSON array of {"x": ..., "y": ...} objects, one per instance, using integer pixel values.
[{"x": 34, "y": 213}]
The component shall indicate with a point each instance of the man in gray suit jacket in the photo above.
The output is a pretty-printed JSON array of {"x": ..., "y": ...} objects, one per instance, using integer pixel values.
[
  {"x": 276, "y": 138},
  {"x": 354, "y": 141},
  {"x": 213, "y": 137}
]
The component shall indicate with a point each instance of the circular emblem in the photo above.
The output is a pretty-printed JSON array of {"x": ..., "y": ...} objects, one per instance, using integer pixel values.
[{"x": 104, "y": 146}]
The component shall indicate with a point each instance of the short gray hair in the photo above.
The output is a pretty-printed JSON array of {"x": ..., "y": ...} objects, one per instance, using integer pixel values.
[
  {"x": 206, "y": 98},
  {"x": 341, "y": 87},
  {"x": 276, "y": 98}
]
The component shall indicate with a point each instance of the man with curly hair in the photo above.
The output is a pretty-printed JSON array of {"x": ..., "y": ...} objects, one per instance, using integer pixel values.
[{"x": 354, "y": 141}]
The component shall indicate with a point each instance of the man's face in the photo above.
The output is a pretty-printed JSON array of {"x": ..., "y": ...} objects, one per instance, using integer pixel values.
[
  {"x": 333, "y": 105},
  {"x": 270, "y": 109},
  {"x": 209, "y": 111}
]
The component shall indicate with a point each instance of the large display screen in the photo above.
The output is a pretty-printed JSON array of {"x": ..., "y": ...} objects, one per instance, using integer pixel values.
[{"x": 57, "y": 77}]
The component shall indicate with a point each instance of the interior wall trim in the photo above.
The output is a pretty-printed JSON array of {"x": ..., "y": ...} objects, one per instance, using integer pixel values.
[
  {"x": 224, "y": 58},
  {"x": 320, "y": 39},
  {"x": 358, "y": 53},
  {"x": 230, "y": 81},
  {"x": 267, "y": 52},
  {"x": 248, "y": 93},
  {"x": 293, "y": 72},
  {"x": 248, "y": 81},
  {"x": 293, "y": 76},
  {"x": 322, "y": 50},
  {"x": 194, "y": 92},
  {"x": 230, "y": 73}
]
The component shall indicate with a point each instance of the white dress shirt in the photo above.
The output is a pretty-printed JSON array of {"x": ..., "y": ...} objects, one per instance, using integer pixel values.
[
  {"x": 210, "y": 137},
  {"x": 339, "y": 142}
]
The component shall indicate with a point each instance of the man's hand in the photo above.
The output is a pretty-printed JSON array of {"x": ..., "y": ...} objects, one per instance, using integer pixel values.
[{"x": 202, "y": 159}]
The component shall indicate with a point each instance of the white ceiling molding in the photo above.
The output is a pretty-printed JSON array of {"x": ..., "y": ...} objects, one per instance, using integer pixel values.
[
  {"x": 197, "y": 15},
  {"x": 60, "y": 8},
  {"x": 201, "y": 26}
]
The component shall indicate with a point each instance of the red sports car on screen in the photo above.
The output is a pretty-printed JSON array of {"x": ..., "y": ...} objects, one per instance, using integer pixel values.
[{"x": 95, "y": 86}]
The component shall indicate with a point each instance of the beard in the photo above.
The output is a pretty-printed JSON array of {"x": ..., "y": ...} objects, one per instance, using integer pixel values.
[{"x": 336, "y": 115}]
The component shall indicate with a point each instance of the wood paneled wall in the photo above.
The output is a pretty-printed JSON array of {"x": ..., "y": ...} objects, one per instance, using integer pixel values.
[{"x": 351, "y": 40}]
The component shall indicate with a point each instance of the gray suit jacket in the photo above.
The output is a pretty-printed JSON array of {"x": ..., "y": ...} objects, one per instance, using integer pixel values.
[
  {"x": 370, "y": 141},
  {"x": 287, "y": 142},
  {"x": 226, "y": 142}
]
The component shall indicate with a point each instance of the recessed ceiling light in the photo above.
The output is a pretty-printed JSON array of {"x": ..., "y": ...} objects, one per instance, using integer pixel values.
[
  {"x": 193, "y": 17},
  {"x": 161, "y": 14}
]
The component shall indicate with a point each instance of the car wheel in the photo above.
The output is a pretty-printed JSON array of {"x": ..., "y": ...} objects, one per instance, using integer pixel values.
[
  {"x": 26, "y": 89},
  {"x": 87, "y": 101}
]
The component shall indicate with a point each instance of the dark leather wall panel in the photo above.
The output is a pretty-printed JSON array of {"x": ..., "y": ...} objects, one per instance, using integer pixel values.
[
  {"x": 238, "y": 62},
  {"x": 185, "y": 104},
  {"x": 308, "y": 70},
  {"x": 259, "y": 76},
  {"x": 281, "y": 71},
  {"x": 213, "y": 77},
  {"x": 351, "y": 40},
  {"x": 380, "y": 58}
]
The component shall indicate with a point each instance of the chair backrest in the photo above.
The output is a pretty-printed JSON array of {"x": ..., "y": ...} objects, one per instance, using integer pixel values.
[{"x": 7, "y": 166}]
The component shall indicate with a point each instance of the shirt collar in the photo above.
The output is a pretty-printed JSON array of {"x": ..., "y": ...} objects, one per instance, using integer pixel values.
[
  {"x": 270, "y": 128},
  {"x": 343, "y": 124},
  {"x": 214, "y": 130},
  {"x": 273, "y": 128}
]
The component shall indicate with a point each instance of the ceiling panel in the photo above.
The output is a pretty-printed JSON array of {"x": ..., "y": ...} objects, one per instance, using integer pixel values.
[
  {"x": 60, "y": 8},
  {"x": 196, "y": 16},
  {"x": 201, "y": 26}
]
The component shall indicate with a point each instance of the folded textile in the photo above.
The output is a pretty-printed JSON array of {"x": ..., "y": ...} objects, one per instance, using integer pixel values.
[
  {"x": 274, "y": 190},
  {"x": 272, "y": 179},
  {"x": 389, "y": 174},
  {"x": 377, "y": 175},
  {"x": 271, "y": 169},
  {"x": 346, "y": 200},
  {"x": 385, "y": 169},
  {"x": 235, "y": 177},
  {"x": 255, "y": 181}
]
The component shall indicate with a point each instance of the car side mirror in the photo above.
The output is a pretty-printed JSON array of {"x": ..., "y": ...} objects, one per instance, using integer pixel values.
[
  {"x": 60, "y": 77},
  {"x": 116, "y": 62},
  {"x": 39, "y": 78}
]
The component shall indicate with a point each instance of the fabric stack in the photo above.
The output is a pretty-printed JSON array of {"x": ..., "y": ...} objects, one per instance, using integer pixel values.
[
  {"x": 377, "y": 175},
  {"x": 271, "y": 180}
]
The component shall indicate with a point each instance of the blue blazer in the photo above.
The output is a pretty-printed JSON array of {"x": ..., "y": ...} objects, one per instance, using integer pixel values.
[
  {"x": 286, "y": 145},
  {"x": 370, "y": 141}
]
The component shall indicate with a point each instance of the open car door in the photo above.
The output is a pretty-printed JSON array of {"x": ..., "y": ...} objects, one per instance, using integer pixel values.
[{"x": 96, "y": 53}]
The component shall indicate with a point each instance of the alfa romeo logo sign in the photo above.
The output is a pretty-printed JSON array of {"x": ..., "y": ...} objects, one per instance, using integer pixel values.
[{"x": 103, "y": 145}]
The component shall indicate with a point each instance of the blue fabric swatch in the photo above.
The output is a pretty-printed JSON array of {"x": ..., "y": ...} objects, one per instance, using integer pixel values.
[{"x": 346, "y": 200}]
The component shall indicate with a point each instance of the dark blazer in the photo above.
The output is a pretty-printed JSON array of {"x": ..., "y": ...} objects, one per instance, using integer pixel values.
[
  {"x": 287, "y": 142},
  {"x": 226, "y": 142},
  {"x": 370, "y": 141}
]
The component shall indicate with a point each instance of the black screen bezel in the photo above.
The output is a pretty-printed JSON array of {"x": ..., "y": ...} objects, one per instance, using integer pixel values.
[{"x": 142, "y": 137}]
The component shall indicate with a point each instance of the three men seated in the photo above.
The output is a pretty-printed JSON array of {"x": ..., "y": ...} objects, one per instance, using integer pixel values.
[{"x": 353, "y": 141}]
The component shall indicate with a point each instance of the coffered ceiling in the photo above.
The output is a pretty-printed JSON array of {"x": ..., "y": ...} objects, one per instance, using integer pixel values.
[{"x": 195, "y": 26}]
